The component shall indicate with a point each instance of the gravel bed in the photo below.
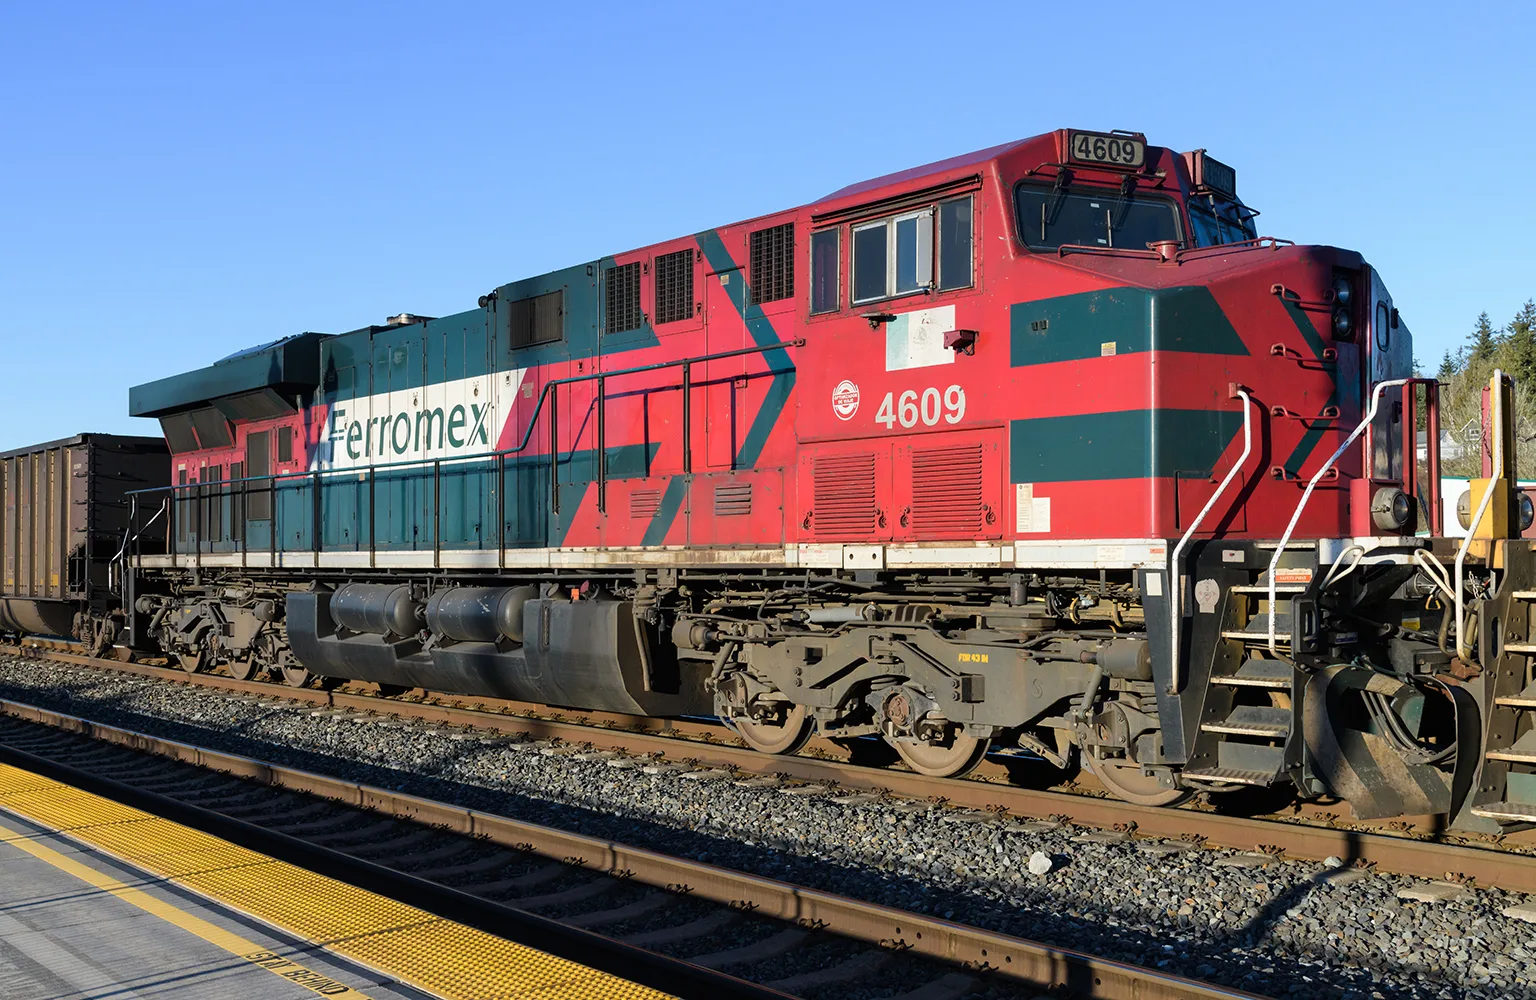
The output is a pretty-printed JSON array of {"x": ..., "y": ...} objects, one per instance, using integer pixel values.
[{"x": 1278, "y": 928}]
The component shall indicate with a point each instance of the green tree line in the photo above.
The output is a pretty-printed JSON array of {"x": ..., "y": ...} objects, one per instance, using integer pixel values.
[{"x": 1464, "y": 372}]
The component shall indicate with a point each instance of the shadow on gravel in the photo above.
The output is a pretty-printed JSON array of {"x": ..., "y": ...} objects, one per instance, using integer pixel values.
[{"x": 1019, "y": 908}]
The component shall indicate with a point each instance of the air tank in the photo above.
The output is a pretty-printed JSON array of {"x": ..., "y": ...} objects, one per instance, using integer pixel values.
[
  {"x": 479, "y": 614},
  {"x": 379, "y": 608}
]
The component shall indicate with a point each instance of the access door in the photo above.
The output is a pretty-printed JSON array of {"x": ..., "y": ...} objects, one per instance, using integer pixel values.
[{"x": 723, "y": 380}]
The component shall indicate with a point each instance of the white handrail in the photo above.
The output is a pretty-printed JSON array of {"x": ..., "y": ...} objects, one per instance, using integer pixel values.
[
  {"x": 1495, "y": 425},
  {"x": 1274, "y": 563},
  {"x": 1175, "y": 583}
]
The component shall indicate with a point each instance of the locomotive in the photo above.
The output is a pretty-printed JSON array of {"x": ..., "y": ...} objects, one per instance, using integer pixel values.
[{"x": 1039, "y": 451}]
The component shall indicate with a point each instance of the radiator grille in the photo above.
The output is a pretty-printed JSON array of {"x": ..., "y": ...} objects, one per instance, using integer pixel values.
[
  {"x": 674, "y": 286},
  {"x": 844, "y": 495},
  {"x": 947, "y": 491},
  {"x": 773, "y": 266},
  {"x": 644, "y": 503},
  {"x": 621, "y": 298},
  {"x": 733, "y": 500}
]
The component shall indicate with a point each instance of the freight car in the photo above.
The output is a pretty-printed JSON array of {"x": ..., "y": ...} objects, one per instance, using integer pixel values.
[
  {"x": 64, "y": 509},
  {"x": 1038, "y": 450}
]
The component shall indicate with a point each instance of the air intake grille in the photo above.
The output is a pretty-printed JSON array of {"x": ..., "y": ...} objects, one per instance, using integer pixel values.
[
  {"x": 674, "y": 286},
  {"x": 644, "y": 503},
  {"x": 621, "y": 298},
  {"x": 773, "y": 263},
  {"x": 844, "y": 492},
  {"x": 734, "y": 500},
  {"x": 947, "y": 492}
]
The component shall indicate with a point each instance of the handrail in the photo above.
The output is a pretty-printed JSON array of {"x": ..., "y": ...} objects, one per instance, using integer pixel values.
[
  {"x": 1175, "y": 588},
  {"x": 499, "y": 456},
  {"x": 1498, "y": 470},
  {"x": 1274, "y": 562},
  {"x": 484, "y": 455}
]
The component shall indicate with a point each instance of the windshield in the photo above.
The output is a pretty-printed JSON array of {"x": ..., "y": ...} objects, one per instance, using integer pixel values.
[
  {"x": 1217, "y": 221},
  {"x": 1051, "y": 217}
]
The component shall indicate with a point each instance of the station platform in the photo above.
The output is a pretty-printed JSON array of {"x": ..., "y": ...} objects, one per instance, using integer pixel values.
[{"x": 100, "y": 900}]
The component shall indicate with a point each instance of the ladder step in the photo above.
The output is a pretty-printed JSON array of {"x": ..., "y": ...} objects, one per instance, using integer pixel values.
[
  {"x": 1257, "y": 630},
  {"x": 1232, "y": 776},
  {"x": 1263, "y": 588},
  {"x": 1520, "y": 647},
  {"x": 1507, "y": 812},
  {"x": 1523, "y": 751},
  {"x": 1256, "y": 673},
  {"x": 1524, "y": 595},
  {"x": 1253, "y": 720},
  {"x": 1525, "y": 699}
]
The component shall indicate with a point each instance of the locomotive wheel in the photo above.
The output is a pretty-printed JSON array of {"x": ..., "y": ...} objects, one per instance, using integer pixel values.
[
  {"x": 191, "y": 662},
  {"x": 784, "y": 737},
  {"x": 295, "y": 677},
  {"x": 242, "y": 669},
  {"x": 957, "y": 758},
  {"x": 1124, "y": 780}
]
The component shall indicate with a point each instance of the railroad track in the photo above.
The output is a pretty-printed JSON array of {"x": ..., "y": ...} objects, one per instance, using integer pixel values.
[
  {"x": 597, "y": 901},
  {"x": 1410, "y": 849}
]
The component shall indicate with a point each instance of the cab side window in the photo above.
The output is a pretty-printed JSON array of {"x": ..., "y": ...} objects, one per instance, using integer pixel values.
[{"x": 896, "y": 256}]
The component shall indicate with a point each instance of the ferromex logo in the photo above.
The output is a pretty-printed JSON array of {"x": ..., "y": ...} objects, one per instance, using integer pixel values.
[{"x": 442, "y": 420}]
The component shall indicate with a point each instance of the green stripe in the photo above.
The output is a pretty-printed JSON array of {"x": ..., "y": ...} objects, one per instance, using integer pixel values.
[
  {"x": 1123, "y": 444},
  {"x": 1120, "y": 321}
]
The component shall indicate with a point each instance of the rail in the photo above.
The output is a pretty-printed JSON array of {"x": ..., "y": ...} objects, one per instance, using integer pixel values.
[
  {"x": 189, "y": 501},
  {"x": 1008, "y": 957}
]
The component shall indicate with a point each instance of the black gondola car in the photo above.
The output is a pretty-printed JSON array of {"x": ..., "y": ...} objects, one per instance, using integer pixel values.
[{"x": 64, "y": 509}]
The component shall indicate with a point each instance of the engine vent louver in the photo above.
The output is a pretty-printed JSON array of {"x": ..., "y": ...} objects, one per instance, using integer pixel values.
[
  {"x": 674, "y": 286},
  {"x": 773, "y": 263},
  {"x": 845, "y": 501},
  {"x": 733, "y": 500},
  {"x": 621, "y": 298},
  {"x": 947, "y": 500},
  {"x": 644, "y": 503}
]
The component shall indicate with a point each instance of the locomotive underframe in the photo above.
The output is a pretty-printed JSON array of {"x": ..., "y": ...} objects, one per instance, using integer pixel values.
[{"x": 1065, "y": 666}]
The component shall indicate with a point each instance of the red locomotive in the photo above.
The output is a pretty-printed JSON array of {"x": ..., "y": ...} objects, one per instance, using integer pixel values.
[{"x": 1038, "y": 450}]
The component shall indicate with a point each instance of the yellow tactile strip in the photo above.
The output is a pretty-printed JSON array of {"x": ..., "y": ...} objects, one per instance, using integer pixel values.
[{"x": 428, "y": 952}]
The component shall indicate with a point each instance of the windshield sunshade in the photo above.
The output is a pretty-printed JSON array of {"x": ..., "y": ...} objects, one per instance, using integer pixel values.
[{"x": 1050, "y": 218}]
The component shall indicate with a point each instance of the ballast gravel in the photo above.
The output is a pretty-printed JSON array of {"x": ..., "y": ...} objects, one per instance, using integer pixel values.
[{"x": 1274, "y": 927}]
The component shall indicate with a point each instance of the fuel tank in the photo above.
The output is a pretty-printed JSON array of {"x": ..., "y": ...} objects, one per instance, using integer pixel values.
[{"x": 591, "y": 654}]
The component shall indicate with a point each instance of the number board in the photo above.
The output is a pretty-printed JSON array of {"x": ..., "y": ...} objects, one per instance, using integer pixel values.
[{"x": 1113, "y": 150}]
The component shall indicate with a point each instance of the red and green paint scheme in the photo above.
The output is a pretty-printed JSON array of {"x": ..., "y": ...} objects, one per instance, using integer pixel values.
[{"x": 991, "y": 389}]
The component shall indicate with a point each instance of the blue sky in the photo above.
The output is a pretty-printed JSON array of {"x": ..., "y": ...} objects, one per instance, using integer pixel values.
[{"x": 181, "y": 181}]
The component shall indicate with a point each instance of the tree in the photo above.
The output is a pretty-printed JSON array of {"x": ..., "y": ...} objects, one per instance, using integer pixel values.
[{"x": 1483, "y": 340}]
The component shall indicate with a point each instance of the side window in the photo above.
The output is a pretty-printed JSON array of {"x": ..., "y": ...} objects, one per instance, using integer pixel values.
[
  {"x": 285, "y": 444},
  {"x": 825, "y": 264},
  {"x": 869, "y": 261},
  {"x": 674, "y": 286},
  {"x": 621, "y": 298},
  {"x": 893, "y": 256},
  {"x": 955, "y": 244}
]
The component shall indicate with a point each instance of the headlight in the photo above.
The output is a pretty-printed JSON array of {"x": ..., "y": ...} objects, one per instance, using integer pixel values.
[
  {"x": 1341, "y": 324},
  {"x": 1342, "y": 291},
  {"x": 1527, "y": 511},
  {"x": 1464, "y": 510},
  {"x": 1391, "y": 509}
]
